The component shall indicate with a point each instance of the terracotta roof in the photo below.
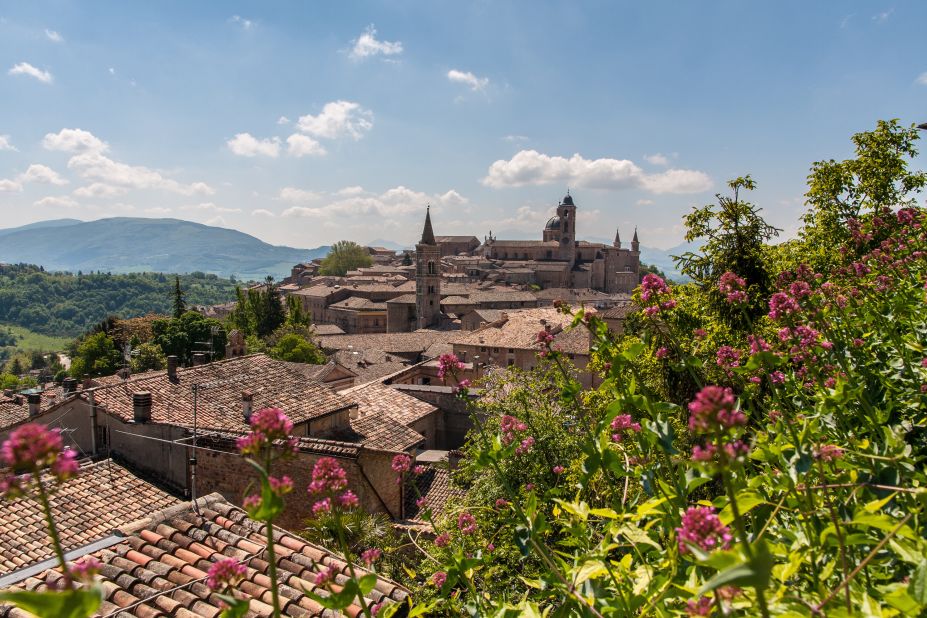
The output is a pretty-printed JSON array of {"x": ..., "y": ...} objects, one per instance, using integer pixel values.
[
  {"x": 384, "y": 433},
  {"x": 326, "y": 329},
  {"x": 369, "y": 364},
  {"x": 395, "y": 343},
  {"x": 160, "y": 568},
  {"x": 405, "y": 299},
  {"x": 14, "y": 409},
  {"x": 273, "y": 384},
  {"x": 319, "y": 373},
  {"x": 573, "y": 340},
  {"x": 572, "y": 295},
  {"x": 379, "y": 400},
  {"x": 357, "y": 303},
  {"x": 524, "y": 243},
  {"x": 618, "y": 312},
  {"x": 441, "y": 239},
  {"x": 502, "y": 296},
  {"x": 519, "y": 330},
  {"x": 320, "y": 291},
  {"x": 102, "y": 497},
  {"x": 488, "y": 315},
  {"x": 436, "y": 486}
]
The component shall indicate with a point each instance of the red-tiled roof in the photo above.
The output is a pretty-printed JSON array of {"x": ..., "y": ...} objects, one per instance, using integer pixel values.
[
  {"x": 160, "y": 568},
  {"x": 272, "y": 383},
  {"x": 102, "y": 497},
  {"x": 436, "y": 486},
  {"x": 381, "y": 401}
]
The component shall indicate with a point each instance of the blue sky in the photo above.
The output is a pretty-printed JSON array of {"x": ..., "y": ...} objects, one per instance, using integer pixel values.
[{"x": 307, "y": 122}]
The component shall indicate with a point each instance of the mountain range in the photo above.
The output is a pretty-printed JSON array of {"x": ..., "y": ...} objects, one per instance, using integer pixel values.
[{"x": 131, "y": 244}]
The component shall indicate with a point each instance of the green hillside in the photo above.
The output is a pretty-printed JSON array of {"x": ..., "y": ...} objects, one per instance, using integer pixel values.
[{"x": 66, "y": 305}]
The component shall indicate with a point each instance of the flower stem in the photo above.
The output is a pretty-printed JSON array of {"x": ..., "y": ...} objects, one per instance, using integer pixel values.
[{"x": 52, "y": 529}]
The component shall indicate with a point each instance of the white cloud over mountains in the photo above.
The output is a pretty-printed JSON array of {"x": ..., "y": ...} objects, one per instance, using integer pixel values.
[
  {"x": 24, "y": 68},
  {"x": 392, "y": 203},
  {"x": 367, "y": 45},
  {"x": 476, "y": 84},
  {"x": 530, "y": 167},
  {"x": 42, "y": 174}
]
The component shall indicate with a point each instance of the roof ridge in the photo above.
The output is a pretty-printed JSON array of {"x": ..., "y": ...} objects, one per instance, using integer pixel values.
[{"x": 170, "y": 512}]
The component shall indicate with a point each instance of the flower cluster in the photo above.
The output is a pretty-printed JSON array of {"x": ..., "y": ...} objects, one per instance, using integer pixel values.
[
  {"x": 714, "y": 409},
  {"x": 328, "y": 487},
  {"x": 733, "y": 288},
  {"x": 31, "y": 449},
  {"x": 267, "y": 426},
  {"x": 621, "y": 425},
  {"x": 466, "y": 523},
  {"x": 225, "y": 573},
  {"x": 511, "y": 429},
  {"x": 702, "y": 528},
  {"x": 84, "y": 569},
  {"x": 655, "y": 295},
  {"x": 448, "y": 363}
]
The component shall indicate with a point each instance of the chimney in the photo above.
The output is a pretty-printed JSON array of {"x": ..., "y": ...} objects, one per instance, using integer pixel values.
[
  {"x": 141, "y": 406},
  {"x": 172, "y": 367},
  {"x": 35, "y": 403},
  {"x": 354, "y": 414},
  {"x": 69, "y": 385},
  {"x": 247, "y": 399},
  {"x": 8, "y": 392},
  {"x": 199, "y": 359}
]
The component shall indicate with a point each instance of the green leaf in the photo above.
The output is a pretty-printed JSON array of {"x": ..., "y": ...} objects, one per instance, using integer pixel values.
[
  {"x": 367, "y": 583},
  {"x": 917, "y": 588},
  {"x": 746, "y": 501},
  {"x": 78, "y": 603},
  {"x": 590, "y": 570},
  {"x": 236, "y": 607}
]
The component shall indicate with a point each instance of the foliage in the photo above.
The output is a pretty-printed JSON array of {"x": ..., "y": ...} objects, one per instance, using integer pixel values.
[
  {"x": 179, "y": 304},
  {"x": 148, "y": 357},
  {"x": 193, "y": 331},
  {"x": 650, "y": 269},
  {"x": 345, "y": 255},
  {"x": 296, "y": 349},
  {"x": 259, "y": 311},
  {"x": 64, "y": 304},
  {"x": 95, "y": 356}
]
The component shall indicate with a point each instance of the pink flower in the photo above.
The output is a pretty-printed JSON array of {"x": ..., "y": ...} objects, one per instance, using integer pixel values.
[
  {"x": 622, "y": 424},
  {"x": 558, "y": 470},
  {"x": 733, "y": 288},
  {"x": 402, "y": 463},
  {"x": 438, "y": 579},
  {"x": 727, "y": 357},
  {"x": 251, "y": 502},
  {"x": 225, "y": 573},
  {"x": 699, "y": 333},
  {"x": 418, "y": 470},
  {"x": 322, "y": 506},
  {"x": 713, "y": 409},
  {"x": 781, "y": 304},
  {"x": 651, "y": 286},
  {"x": 327, "y": 476},
  {"x": 65, "y": 466},
  {"x": 490, "y": 548},
  {"x": 701, "y": 607},
  {"x": 757, "y": 344},
  {"x": 702, "y": 528},
  {"x": 662, "y": 352},
  {"x": 421, "y": 502},
  {"x": 267, "y": 426},
  {"x": 282, "y": 485},
  {"x": 828, "y": 453},
  {"x": 544, "y": 338},
  {"x": 325, "y": 576},
  {"x": 34, "y": 447},
  {"x": 524, "y": 446},
  {"x": 442, "y": 539},
  {"x": 466, "y": 523},
  {"x": 348, "y": 500},
  {"x": 84, "y": 569},
  {"x": 501, "y": 503},
  {"x": 777, "y": 377},
  {"x": 448, "y": 363},
  {"x": 370, "y": 556}
]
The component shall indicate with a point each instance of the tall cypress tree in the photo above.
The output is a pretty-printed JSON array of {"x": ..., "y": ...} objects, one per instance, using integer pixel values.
[{"x": 180, "y": 306}]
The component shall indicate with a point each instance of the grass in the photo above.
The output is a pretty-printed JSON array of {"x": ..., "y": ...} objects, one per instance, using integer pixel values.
[{"x": 29, "y": 340}]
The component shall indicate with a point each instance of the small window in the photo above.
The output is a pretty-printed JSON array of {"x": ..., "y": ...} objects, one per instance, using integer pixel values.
[
  {"x": 511, "y": 350},
  {"x": 482, "y": 349},
  {"x": 495, "y": 350}
]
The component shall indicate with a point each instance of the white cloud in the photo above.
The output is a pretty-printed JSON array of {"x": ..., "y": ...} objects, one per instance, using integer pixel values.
[
  {"x": 301, "y": 145},
  {"x": 112, "y": 71},
  {"x": 656, "y": 159},
  {"x": 467, "y": 78},
  {"x": 74, "y": 140},
  {"x": 246, "y": 24},
  {"x": 922, "y": 79},
  {"x": 217, "y": 221},
  {"x": 157, "y": 210},
  {"x": 883, "y": 16},
  {"x": 283, "y": 120},
  {"x": 43, "y": 174},
  {"x": 337, "y": 119},
  {"x": 100, "y": 190},
  {"x": 10, "y": 186},
  {"x": 210, "y": 207},
  {"x": 391, "y": 203},
  {"x": 367, "y": 45},
  {"x": 6, "y": 144},
  {"x": 24, "y": 68},
  {"x": 529, "y": 167},
  {"x": 53, "y": 36},
  {"x": 353, "y": 190},
  {"x": 56, "y": 202},
  {"x": 298, "y": 196},
  {"x": 93, "y": 165},
  {"x": 644, "y": 202},
  {"x": 262, "y": 212},
  {"x": 246, "y": 145},
  {"x": 516, "y": 138}
]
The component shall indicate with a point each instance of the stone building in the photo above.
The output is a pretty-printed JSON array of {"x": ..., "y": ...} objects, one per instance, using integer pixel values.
[{"x": 427, "y": 277}]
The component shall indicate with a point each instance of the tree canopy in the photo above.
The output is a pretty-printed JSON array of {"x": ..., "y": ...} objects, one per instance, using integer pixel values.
[{"x": 345, "y": 255}]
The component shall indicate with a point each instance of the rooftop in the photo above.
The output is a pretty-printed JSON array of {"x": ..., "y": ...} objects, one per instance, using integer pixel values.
[
  {"x": 518, "y": 330},
  {"x": 160, "y": 568},
  {"x": 103, "y": 497},
  {"x": 391, "y": 343},
  {"x": 382, "y": 401}
]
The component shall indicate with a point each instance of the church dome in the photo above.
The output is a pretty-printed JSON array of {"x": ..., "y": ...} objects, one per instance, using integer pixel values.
[
  {"x": 553, "y": 224},
  {"x": 568, "y": 200}
]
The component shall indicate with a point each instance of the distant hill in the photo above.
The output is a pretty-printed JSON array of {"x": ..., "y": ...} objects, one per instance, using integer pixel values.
[{"x": 129, "y": 244}]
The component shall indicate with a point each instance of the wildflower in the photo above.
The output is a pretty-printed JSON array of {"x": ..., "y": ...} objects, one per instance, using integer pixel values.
[
  {"x": 510, "y": 426},
  {"x": 757, "y": 344},
  {"x": 448, "y": 363},
  {"x": 501, "y": 503},
  {"x": 251, "y": 502},
  {"x": 327, "y": 476},
  {"x": 701, "y": 607},
  {"x": 777, "y": 377},
  {"x": 462, "y": 386},
  {"x": 714, "y": 408},
  {"x": 490, "y": 548},
  {"x": 401, "y": 463},
  {"x": 326, "y": 575},
  {"x": 225, "y": 573},
  {"x": 421, "y": 502},
  {"x": 438, "y": 579},
  {"x": 33, "y": 447},
  {"x": 621, "y": 424},
  {"x": 322, "y": 506},
  {"x": 828, "y": 453},
  {"x": 781, "y": 304},
  {"x": 544, "y": 338},
  {"x": 348, "y": 500},
  {"x": 442, "y": 540},
  {"x": 727, "y": 357},
  {"x": 282, "y": 485},
  {"x": 267, "y": 425},
  {"x": 84, "y": 569},
  {"x": 370, "y": 556},
  {"x": 525, "y": 446},
  {"x": 651, "y": 286},
  {"x": 708, "y": 453},
  {"x": 733, "y": 288},
  {"x": 418, "y": 470},
  {"x": 699, "y": 333},
  {"x": 558, "y": 470},
  {"x": 702, "y": 528},
  {"x": 466, "y": 523},
  {"x": 662, "y": 352}
]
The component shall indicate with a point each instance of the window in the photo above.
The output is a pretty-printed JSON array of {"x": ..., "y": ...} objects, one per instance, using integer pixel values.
[
  {"x": 102, "y": 438},
  {"x": 431, "y": 268},
  {"x": 482, "y": 348},
  {"x": 511, "y": 362},
  {"x": 511, "y": 350}
]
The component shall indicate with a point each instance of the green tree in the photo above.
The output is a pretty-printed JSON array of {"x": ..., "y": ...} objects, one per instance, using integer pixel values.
[
  {"x": 272, "y": 314},
  {"x": 296, "y": 349},
  {"x": 191, "y": 331},
  {"x": 345, "y": 255},
  {"x": 148, "y": 357},
  {"x": 840, "y": 191},
  {"x": 295, "y": 314},
  {"x": 96, "y": 356},
  {"x": 15, "y": 367},
  {"x": 180, "y": 305},
  {"x": 735, "y": 237}
]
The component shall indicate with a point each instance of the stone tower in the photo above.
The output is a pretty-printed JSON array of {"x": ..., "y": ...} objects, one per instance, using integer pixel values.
[
  {"x": 635, "y": 245},
  {"x": 617, "y": 243},
  {"x": 566, "y": 213},
  {"x": 427, "y": 277}
]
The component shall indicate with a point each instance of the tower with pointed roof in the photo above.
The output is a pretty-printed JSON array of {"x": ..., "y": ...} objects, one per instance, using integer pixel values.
[
  {"x": 635, "y": 245},
  {"x": 617, "y": 243},
  {"x": 427, "y": 277}
]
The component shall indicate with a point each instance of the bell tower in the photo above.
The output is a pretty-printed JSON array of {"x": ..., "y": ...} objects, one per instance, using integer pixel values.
[
  {"x": 427, "y": 277},
  {"x": 566, "y": 212}
]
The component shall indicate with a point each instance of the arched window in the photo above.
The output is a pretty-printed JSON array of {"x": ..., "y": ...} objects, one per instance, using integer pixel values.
[{"x": 431, "y": 268}]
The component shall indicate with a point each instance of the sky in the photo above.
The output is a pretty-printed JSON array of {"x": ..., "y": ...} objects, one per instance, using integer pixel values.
[{"x": 303, "y": 123}]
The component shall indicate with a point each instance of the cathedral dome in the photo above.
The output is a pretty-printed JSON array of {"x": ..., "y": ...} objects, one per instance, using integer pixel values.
[
  {"x": 553, "y": 224},
  {"x": 568, "y": 200}
]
